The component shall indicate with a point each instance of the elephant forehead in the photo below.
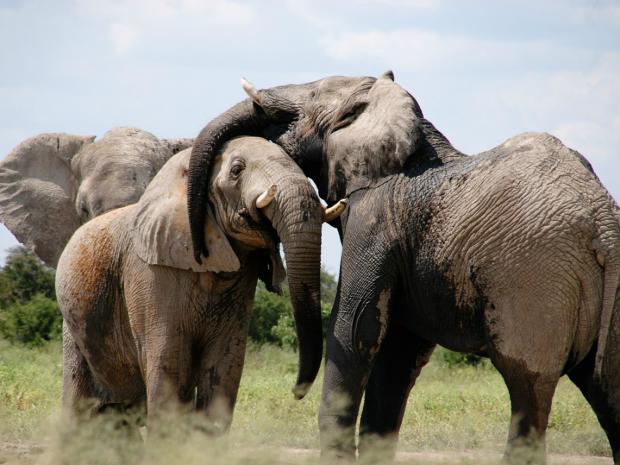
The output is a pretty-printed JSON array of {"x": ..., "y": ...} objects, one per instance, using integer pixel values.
[{"x": 249, "y": 145}]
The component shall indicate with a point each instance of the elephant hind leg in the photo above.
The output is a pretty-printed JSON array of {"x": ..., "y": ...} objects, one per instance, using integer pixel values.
[
  {"x": 397, "y": 366},
  {"x": 603, "y": 393},
  {"x": 79, "y": 393}
]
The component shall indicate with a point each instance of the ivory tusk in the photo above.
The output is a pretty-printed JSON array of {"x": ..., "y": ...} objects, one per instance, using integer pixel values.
[
  {"x": 250, "y": 90},
  {"x": 333, "y": 212},
  {"x": 266, "y": 197}
]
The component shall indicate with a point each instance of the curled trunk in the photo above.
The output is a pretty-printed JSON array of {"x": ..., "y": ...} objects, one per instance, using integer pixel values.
[{"x": 241, "y": 119}]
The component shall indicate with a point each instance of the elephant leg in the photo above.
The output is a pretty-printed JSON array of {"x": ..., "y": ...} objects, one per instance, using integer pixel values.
[
  {"x": 79, "y": 393},
  {"x": 168, "y": 382},
  {"x": 603, "y": 396},
  {"x": 218, "y": 384},
  {"x": 396, "y": 368},
  {"x": 531, "y": 396},
  {"x": 358, "y": 325}
]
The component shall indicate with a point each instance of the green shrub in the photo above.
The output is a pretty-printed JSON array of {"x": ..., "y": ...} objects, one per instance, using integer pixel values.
[
  {"x": 24, "y": 275},
  {"x": 272, "y": 316},
  {"x": 32, "y": 322},
  {"x": 268, "y": 309},
  {"x": 456, "y": 359}
]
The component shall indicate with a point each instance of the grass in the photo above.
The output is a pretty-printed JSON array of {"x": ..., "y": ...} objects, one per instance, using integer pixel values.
[{"x": 450, "y": 409}]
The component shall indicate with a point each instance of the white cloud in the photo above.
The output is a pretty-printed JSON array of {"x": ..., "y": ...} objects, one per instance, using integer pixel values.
[
  {"x": 127, "y": 20},
  {"x": 406, "y": 3},
  {"x": 413, "y": 49},
  {"x": 123, "y": 37}
]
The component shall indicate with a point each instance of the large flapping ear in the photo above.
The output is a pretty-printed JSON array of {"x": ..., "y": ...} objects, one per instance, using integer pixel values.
[
  {"x": 380, "y": 139},
  {"x": 161, "y": 234},
  {"x": 37, "y": 193}
]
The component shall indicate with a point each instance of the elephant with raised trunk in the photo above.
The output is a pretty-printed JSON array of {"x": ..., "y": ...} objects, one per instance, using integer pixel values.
[
  {"x": 143, "y": 320},
  {"x": 513, "y": 254},
  {"x": 52, "y": 183}
]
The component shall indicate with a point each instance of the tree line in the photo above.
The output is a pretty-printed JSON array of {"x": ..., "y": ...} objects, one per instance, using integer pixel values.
[{"x": 30, "y": 315}]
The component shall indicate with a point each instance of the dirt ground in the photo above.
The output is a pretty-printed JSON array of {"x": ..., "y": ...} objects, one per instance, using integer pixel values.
[{"x": 24, "y": 453}]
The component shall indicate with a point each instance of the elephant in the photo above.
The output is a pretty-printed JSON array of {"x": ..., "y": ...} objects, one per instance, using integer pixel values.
[
  {"x": 145, "y": 323},
  {"x": 52, "y": 183},
  {"x": 513, "y": 253}
]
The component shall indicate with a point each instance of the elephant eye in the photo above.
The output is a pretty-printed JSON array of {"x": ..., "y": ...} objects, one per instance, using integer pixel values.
[{"x": 236, "y": 169}]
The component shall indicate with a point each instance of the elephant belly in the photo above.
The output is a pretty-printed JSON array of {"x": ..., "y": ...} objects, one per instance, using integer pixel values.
[{"x": 433, "y": 312}]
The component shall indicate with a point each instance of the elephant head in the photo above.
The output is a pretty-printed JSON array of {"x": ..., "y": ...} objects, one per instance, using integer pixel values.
[
  {"x": 52, "y": 183},
  {"x": 344, "y": 132},
  {"x": 258, "y": 197}
]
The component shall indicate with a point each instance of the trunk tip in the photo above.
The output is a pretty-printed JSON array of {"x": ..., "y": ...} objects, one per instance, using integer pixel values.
[{"x": 300, "y": 390}]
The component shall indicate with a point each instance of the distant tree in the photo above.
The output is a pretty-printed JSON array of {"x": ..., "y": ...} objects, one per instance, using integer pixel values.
[
  {"x": 272, "y": 316},
  {"x": 24, "y": 275},
  {"x": 29, "y": 313},
  {"x": 32, "y": 322}
]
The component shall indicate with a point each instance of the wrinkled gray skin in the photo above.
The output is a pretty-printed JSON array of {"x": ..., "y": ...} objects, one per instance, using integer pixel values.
[
  {"x": 52, "y": 183},
  {"x": 513, "y": 254},
  {"x": 144, "y": 321}
]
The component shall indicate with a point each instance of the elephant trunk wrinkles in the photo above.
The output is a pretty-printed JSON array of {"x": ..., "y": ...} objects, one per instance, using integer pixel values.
[{"x": 297, "y": 220}]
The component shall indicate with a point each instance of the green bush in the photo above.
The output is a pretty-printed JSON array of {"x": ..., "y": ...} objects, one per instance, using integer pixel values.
[
  {"x": 28, "y": 310},
  {"x": 24, "y": 275},
  {"x": 272, "y": 316},
  {"x": 268, "y": 309},
  {"x": 32, "y": 322},
  {"x": 452, "y": 359}
]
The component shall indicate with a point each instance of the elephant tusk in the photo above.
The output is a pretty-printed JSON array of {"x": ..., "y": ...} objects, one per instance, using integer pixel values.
[
  {"x": 266, "y": 197},
  {"x": 249, "y": 89},
  {"x": 333, "y": 212}
]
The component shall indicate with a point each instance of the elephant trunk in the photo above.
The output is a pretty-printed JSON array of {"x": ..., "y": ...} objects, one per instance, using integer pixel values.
[
  {"x": 247, "y": 118},
  {"x": 297, "y": 220},
  {"x": 241, "y": 119}
]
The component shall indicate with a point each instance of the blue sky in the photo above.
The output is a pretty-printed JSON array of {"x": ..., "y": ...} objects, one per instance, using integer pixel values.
[{"x": 482, "y": 71}]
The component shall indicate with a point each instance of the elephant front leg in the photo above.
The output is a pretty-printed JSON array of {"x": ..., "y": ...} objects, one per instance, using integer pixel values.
[
  {"x": 358, "y": 326},
  {"x": 168, "y": 383},
  {"x": 220, "y": 375},
  {"x": 396, "y": 368}
]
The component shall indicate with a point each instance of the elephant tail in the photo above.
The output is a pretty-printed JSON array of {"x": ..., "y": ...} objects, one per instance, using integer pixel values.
[{"x": 611, "y": 302}]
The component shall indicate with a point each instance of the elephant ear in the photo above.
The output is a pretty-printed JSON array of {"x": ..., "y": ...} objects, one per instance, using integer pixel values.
[
  {"x": 37, "y": 193},
  {"x": 177, "y": 145},
  {"x": 379, "y": 141},
  {"x": 161, "y": 234}
]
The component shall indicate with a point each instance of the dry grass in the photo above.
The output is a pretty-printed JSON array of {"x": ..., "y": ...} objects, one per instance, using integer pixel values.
[{"x": 450, "y": 410}]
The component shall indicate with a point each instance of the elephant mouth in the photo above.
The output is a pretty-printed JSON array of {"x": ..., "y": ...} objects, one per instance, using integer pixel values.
[{"x": 255, "y": 228}]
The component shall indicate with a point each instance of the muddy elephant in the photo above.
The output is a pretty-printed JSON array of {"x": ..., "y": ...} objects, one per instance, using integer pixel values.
[
  {"x": 52, "y": 183},
  {"x": 146, "y": 322},
  {"x": 513, "y": 253}
]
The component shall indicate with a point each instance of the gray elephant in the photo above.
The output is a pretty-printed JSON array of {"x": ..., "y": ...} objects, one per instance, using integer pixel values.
[
  {"x": 145, "y": 321},
  {"x": 513, "y": 254},
  {"x": 52, "y": 183}
]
